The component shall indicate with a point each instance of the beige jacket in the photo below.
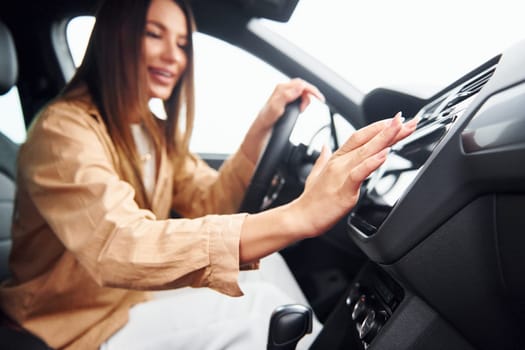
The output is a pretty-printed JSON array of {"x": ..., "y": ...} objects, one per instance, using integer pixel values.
[{"x": 84, "y": 252}]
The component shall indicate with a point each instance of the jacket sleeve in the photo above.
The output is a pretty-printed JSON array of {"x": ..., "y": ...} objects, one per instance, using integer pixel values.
[
  {"x": 71, "y": 179},
  {"x": 200, "y": 189}
]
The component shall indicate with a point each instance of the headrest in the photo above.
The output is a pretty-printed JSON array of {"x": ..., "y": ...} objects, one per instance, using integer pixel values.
[{"x": 8, "y": 61}]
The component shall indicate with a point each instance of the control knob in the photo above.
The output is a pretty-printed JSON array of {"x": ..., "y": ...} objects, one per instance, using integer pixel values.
[
  {"x": 361, "y": 308},
  {"x": 371, "y": 325}
]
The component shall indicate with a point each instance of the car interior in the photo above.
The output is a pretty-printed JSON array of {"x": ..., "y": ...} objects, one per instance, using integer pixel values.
[{"x": 431, "y": 255}]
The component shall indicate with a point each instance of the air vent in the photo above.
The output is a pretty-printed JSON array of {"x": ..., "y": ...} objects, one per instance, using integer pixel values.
[
  {"x": 471, "y": 88},
  {"x": 476, "y": 85}
]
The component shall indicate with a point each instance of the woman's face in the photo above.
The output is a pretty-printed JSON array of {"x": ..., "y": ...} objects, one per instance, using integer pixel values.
[{"x": 165, "y": 42}]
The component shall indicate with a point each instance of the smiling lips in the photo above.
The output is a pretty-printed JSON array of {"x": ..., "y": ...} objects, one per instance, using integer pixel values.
[{"x": 162, "y": 76}]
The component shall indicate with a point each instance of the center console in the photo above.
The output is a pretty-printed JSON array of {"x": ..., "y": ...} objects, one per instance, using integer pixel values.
[
  {"x": 407, "y": 157},
  {"x": 377, "y": 313}
]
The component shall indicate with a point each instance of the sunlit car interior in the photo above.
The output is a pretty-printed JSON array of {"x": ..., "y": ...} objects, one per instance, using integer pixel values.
[{"x": 432, "y": 256}]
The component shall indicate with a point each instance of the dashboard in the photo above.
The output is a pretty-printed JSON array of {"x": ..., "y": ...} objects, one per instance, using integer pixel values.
[{"x": 442, "y": 222}]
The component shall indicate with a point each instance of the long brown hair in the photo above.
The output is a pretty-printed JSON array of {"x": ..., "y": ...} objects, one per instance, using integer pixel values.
[{"x": 115, "y": 75}]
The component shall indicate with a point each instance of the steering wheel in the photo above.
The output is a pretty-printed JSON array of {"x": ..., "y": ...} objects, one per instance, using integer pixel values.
[{"x": 274, "y": 154}]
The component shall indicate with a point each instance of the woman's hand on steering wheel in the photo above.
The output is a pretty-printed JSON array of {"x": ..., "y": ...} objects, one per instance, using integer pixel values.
[{"x": 282, "y": 95}]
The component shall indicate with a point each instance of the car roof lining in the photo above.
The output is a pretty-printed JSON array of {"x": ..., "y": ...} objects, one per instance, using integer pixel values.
[{"x": 278, "y": 10}]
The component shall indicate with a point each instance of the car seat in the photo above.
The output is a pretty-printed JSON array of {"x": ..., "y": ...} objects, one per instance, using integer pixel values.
[
  {"x": 8, "y": 150},
  {"x": 11, "y": 335}
]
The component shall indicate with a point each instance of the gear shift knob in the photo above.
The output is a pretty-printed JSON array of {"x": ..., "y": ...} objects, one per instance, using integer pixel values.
[{"x": 288, "y": 324}]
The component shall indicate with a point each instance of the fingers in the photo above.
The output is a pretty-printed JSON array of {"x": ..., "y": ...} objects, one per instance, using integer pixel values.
[
  {"x": 383, "y": 139},
  {"x": 386, "y": 129},
  {"x": 379, "y": 135},
  {"x": 305, "y": 101},
  {"x": 288, "y": 92},
  {"x": 362, "y": 170},
  {"x": 368, "y": 151},
  {"x": 407, "y": 129},
  {"x": 308, "y": 90}
]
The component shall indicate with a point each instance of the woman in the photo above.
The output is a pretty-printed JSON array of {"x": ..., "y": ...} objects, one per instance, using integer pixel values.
[{"x": 99, "y": 174}]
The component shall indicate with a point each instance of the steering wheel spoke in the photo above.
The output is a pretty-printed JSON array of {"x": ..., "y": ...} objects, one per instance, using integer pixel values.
[{"x": 261, "y": 192}]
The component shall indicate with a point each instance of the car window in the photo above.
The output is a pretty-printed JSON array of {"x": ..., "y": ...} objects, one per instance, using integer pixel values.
[
  {"x": 231, "y": 86},
  {"x": 13, "y": 125},
  {"x": 78, "y": 31}
]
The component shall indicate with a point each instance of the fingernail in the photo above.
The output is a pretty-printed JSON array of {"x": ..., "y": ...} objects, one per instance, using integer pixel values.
[
  {"x": 413, "y": 122},
  {"x": 391, "y": 120}
]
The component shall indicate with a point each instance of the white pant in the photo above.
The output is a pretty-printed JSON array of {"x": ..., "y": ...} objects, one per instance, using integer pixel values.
[{"x": 200, "y": 318}]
